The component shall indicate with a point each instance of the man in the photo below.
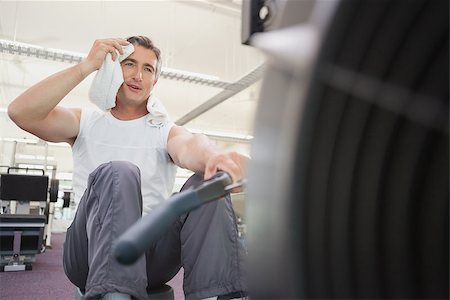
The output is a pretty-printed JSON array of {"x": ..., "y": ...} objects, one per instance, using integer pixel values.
[{"x": 120, "y": 157}]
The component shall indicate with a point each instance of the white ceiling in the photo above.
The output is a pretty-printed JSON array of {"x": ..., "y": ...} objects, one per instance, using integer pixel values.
[{"x": 201, "y": 36}]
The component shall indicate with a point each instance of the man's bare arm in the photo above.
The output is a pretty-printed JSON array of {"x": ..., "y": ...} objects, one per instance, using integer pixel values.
[
  {"x": 197, "y": 153},
  {"x": 36, "y": 110}
]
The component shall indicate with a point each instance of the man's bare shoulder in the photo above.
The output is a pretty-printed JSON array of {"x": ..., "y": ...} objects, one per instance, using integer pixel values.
[{"x": 76, "y": 111}]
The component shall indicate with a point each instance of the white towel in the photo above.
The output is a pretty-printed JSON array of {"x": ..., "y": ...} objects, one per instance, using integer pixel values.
[
  {"x": 157, "y": 112},
  {"x": 107, "y": 82}
]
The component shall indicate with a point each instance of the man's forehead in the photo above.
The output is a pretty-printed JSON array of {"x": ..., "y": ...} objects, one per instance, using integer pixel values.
[{"x": 143, "y": 55}]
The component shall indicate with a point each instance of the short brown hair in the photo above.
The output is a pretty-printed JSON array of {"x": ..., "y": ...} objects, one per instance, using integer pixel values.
[{"x": 148, "y": 44}]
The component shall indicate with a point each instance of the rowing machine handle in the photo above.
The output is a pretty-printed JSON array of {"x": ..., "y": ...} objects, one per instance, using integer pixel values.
[{"x": 134, "y": 241}]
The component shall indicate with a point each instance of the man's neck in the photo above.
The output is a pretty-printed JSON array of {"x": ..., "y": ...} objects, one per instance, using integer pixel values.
[{"x": 128, "y": 113}]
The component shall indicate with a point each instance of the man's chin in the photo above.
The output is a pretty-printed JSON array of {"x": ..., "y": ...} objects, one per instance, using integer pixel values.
[{"x": 131, "y": 97}]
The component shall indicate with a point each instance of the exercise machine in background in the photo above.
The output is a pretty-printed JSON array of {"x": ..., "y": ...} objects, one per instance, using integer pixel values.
[{"x": 25, "y": 213}]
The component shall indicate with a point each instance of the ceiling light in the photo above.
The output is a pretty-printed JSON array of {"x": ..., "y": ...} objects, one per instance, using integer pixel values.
[
  {"x": 22, "y": 49},
  {"x": 175, "y": 72},
  {"x": 39, "y": 52}
]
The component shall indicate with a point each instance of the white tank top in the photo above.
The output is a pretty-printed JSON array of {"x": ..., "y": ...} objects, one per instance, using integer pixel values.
[{"x": 103, "y": 138}]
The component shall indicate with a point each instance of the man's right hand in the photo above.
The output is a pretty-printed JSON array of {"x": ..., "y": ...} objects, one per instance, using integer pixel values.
[{"x": 98, "y": 52}]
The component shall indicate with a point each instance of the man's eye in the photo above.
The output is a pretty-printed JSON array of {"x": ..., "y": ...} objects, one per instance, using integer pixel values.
[
  {"x": 150, "y": 70},
  {"x": 128, "y": 64}
]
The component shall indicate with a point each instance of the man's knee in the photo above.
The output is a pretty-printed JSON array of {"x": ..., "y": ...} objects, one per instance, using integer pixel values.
[
  {"x": 123, "y": 171},
  {"x": 118, "y": 180},
  {"x": 193, "y": 181},
  {"x": 118, "y": 166}
]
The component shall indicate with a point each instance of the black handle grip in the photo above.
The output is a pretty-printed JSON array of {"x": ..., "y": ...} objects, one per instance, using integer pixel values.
[{"x": 133, "y": 242}]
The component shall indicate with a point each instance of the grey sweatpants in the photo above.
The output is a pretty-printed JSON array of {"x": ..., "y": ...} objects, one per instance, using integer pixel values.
[{"x": 204, "y": 242}]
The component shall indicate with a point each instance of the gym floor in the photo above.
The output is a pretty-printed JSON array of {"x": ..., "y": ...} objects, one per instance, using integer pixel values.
[{"x": 47, "y": 279}]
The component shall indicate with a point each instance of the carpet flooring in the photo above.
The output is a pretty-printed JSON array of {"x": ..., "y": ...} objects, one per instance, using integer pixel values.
[{"x": 48, "y": 281}]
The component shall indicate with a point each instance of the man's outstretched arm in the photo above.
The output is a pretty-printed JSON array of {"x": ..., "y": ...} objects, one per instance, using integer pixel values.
[{"x": 197, "y": 153}]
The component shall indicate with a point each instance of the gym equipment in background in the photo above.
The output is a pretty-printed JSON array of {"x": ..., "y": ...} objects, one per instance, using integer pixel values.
[
  {"x": 21, "y": 226},
  {"x": 25, "y": 217}
]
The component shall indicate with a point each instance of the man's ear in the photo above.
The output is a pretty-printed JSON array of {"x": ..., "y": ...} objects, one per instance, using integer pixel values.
[{"x": 154, "y": 83}]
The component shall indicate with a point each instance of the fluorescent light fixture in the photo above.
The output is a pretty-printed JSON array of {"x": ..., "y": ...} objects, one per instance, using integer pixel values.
[
  {"x": 193, "y": 77},
  {"x": 22, "y": 49},
  {"x": 176, "y": 72}
]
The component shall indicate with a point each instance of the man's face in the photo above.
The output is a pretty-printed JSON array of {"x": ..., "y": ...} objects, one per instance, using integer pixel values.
[{"x": 139, "y": 73}]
